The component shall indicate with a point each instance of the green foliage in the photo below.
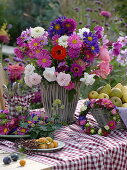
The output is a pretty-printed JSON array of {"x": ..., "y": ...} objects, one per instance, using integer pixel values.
[{"x": 23, "y": 14}]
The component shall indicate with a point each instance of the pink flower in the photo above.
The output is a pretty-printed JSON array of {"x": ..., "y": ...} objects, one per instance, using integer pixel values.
[
  {"x": 18, "y": 53},
  {"x": 70, "y": 86},
  {"x": 81, "y": 63},
  {"x": 74, "y": 41},
  {"x": 112, "y": 124},
  {"x": 44, "y": 59},
  {"x": 35, "y": 79},
  {"x": 4, "y": 130},
  {"x": 106, "y": 14},
  {"x": 55, "y": 39},
  {"x": 34, "y": 43},
  {"x": 104, "y": 54},
  {"x": 82, "y": 122},
  {"x": 63, "y": 79},
  {"x": 114, "y": 111}
]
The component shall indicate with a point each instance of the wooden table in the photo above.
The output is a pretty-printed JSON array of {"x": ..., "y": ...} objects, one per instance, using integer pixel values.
[{"x": 30, "y": 164}]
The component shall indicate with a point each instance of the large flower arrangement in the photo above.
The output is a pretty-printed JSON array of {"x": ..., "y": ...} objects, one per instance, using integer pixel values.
[
  {"x": 63, "y": 55},
  {"x": 110, "y": 110}
]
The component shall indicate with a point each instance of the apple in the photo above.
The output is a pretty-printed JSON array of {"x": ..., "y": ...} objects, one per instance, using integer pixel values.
[
  {"x": 116, "y": 92},
  {"x": 124, "y": 105},
  {"x": 106, "y": 89},
  {"x": 116, "y": 101},
  {"x": 93, "y": 95},
  {"x": 103, "y": 96}
]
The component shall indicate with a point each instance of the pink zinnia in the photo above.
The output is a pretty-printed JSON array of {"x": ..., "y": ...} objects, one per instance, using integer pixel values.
[
  {"x": 74, "y": 41},
  {"x": 70, "y": 86},
  {"x": 112, "y": 124},
  {"x": 34, "y": 44},
  {"x": 76, "y": 70},
  {"x": 105, "y": 14},
  {"x": 55, "y": 39},
  {"x": 44, "y": 60}
]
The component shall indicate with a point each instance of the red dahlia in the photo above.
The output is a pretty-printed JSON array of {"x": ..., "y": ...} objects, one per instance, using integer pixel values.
[{"x": 58, "y": 52}]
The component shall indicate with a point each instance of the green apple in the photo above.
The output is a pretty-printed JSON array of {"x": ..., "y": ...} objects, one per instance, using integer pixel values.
[
  {"x": 116, "y": 101},
  {"x": 124, "y": 105},
  {"x": 106, "y": 89},
  {"x": 99, "y": 89},
  {"x": 116, "y": 92},
  {"x": 93, "y": 95},
  {"x": 103, "y": 96},
  {"x": 119, "y": 86},
  {"x": 124, "y": 98}
]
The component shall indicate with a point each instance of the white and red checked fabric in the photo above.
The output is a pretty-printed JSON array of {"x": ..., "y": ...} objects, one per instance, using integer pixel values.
[{"x": 82, "y": 151}]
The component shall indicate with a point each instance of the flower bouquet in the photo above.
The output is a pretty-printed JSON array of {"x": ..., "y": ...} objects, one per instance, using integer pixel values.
[
  {"x": 63, "y": 58},
  {"x": 105, "y": 113}
]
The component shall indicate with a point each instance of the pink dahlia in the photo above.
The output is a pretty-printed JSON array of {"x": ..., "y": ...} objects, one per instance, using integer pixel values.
[
  {"x": 74, "y": 41},
  {"x": 76, "y": 70},
  {"x": 44, "y": 60}
]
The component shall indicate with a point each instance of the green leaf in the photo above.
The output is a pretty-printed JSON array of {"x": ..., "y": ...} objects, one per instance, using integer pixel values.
[{"x": 71, "y": 94}]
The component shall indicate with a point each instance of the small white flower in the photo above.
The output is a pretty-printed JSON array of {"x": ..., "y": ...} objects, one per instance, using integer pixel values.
[
  {"x": 81, "y": 31},
  {"x": 88, "y": 79},
  {"x": 106, "y": 127},
  {"x": 49, "y": 74},
  {"x": 83, "y": 108},
  {"x": 114, "y": 118},
  {"x": 29, "y": 69},
  {"x": 63, "y": 41},
  {"x": 37, "y": 32}
]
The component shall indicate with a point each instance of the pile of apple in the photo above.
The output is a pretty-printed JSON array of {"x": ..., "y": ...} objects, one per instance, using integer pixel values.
[{"x": 117, "y": 94}]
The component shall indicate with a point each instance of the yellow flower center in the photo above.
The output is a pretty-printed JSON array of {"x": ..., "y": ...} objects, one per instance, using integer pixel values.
[
  {"x": 90, "y": 38},
  {"x": 57, "y": 26},
  {"x": 37, "y": 51},
  {"x": 42, "y": 41},
  {"x": 5, "y": 130},
  {"x": 74, "y": 41},
  {"x": 35, "y": 44},
  {"x": 76, "y": 69},
  {"x": 44, "y": 60},
  {"x": 23, "y": 130},
  {"x": 68, "y": 25},
  {"x": 29, "y": 121},
  {"x": 87, "y": 56},
  {"x": 92, "y": 47}
]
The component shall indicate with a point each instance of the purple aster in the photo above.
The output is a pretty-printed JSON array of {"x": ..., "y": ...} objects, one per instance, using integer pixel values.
[
  {"x": 55, "y": 39},
  {"x": 17, "y": 59},
  {"x": 76, "y": 70},
  {"x": 20, "y": 41},
  {"x": 73, "y": 53},
  {"x": 94, "y": 48},
  {"x": 89, "y": 38},
  {"x": 43, "y": 40},
  {"x": 74, "y": 41},
  {"x": 18, "y": 53},
  {"x": 56, "y": 27},
  {"x": 69, "y": 25},
  {"x": 26, "y": 35},
  {"x": 62, "y": 66},
  {"x": 44, "y": 60}
]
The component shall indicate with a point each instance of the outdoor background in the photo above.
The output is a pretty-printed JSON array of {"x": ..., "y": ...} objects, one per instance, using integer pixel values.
[{"x": 22, "y": 14}]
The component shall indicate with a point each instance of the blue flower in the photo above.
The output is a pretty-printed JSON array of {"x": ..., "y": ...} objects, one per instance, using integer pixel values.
[{"x": 89, "y": 38}]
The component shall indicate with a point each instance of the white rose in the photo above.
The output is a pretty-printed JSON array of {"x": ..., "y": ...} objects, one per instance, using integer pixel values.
[
  {"x": 37, "y": 32},
  {"x": 27, "y": 81},
  {"x": 63, "y": 79},
  {"x": 29, "y": 69},
  {"x": 49, "y": 74},
  {"x": 81, "y": 31}
]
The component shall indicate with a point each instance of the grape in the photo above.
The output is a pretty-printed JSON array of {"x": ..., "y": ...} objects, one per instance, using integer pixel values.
[
  {"x": 7, "y": 160},
  {"x": 14, "y": 157}
]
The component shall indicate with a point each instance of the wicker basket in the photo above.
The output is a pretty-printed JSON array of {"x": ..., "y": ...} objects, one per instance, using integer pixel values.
[
  {"x": 53, "y": 91},
  {"x": 103, "y": 117}
]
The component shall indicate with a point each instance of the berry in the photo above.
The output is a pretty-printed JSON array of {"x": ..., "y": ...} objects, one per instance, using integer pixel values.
[
  {"x": 22, "y": 162},
  {"x": 14, "y": 157},
  {"x": 7, "y": 160}
]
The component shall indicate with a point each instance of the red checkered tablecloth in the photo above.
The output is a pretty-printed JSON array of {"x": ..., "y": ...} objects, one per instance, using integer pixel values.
[{"x": 83, "y": 152}]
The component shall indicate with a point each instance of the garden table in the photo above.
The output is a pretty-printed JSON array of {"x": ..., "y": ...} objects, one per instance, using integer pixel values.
[{"x": 82, "y": 151}]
